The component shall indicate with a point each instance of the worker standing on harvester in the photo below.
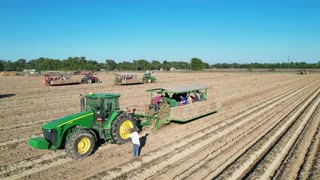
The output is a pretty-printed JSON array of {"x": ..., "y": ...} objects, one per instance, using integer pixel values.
[
  {"x": 135, "y": 142},
  {"x": 156, "y": 101}
]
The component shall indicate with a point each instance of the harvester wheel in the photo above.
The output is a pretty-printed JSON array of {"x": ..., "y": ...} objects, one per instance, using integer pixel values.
[
  {"x": 120, "y": 128},
  {"x": 79, "y": 144}
]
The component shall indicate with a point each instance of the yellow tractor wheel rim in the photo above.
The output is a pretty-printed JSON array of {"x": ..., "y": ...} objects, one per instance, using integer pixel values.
[
  {"x": 149, "y": 80},
  {"x": 84, "y": 145},
  {"x": 124, "y": 127}
]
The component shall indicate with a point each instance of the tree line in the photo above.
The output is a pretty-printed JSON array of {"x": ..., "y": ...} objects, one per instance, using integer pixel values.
[
  {"x": 290, "y": 65},
  {"x": 81, "y": 63}
]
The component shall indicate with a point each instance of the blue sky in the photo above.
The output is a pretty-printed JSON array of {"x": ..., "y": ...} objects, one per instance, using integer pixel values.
[{"x": 221, "y": 31}]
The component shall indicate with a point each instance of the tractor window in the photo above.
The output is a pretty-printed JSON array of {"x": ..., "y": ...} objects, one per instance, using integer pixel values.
[
  {"x": 111, "y": 104},
  {"x": 116, "y": 103},
  {"x": 93, "y": 103}
]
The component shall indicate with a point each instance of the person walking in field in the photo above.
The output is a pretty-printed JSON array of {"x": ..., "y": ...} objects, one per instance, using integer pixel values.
[{"x": 135, "y": 142}]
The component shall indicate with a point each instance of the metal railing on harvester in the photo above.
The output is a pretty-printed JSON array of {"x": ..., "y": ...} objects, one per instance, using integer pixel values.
[{"x": 158, "y": 118}]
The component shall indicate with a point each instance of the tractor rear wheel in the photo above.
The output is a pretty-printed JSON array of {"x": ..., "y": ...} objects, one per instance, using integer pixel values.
[
  {"x": 79, "y": 144},
  {"x": 89, "y": 81},
  {"x": 120, "y": 128}
]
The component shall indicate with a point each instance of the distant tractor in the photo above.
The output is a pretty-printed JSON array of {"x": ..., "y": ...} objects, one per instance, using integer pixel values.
[
  {"x": 148, "y": 78},
  {"x": 89, "y": 78},
  {"x": 134, "y": 78},
  {"x": 101, "y": 119},
  {"x": 301, "y": 72}
]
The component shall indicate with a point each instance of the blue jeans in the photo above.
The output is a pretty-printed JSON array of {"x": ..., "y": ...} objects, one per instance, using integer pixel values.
[
  {"x": 136, "y": 149},
  {"x": 156, "y": 107}
]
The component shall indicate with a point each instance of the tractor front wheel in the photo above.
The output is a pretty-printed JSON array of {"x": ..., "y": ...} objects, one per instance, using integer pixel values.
[
  {"x": 89, "y": 81},
  {"x": 79, "y": 144},
  {"x": 120, "y": 128}
]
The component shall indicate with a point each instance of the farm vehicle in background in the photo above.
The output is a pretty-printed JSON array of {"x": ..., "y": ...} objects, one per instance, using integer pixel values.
[
  {"x": 58, "y": 80},
  {"x": 101, "y": 119},
  {"x": 89, "y": 78},
  {"x": 301, "y": 72},
  {"x": 134, "y": 78},
  {"x": 148, "y": 78}
]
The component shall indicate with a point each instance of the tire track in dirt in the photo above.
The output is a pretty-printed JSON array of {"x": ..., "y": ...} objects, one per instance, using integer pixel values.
[
  {"x": 315, "y": 171},
  {"x": 37, "y": 166},
  {"x": 25, "y": 125},
  {"x": 36, "y": 163},
  {"x": 197, "y": 165},
  {"x": 7, "y": 145},
  {"x": 39, "y": 162},
  {"x": 274, "y": 158},
  {"x": 249, "y": 158},
  {"x": 311, "y": 157},
  {"x": 293, "y": 165}
]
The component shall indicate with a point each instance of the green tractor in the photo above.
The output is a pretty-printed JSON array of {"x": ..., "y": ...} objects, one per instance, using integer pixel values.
[
  {"x": 100, "y": 119},
  {"x": 148, "y": 78}
]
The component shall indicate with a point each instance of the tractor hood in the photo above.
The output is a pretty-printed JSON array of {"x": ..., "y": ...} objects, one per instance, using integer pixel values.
[
  {"x": 76, "y": 119},
  {"x": 55, "y": 130}
]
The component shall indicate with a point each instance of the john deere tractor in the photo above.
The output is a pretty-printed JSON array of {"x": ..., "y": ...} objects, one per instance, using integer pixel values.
[
  {"x": 100, "y": 119},
  {"x": 148, "y": 78}
]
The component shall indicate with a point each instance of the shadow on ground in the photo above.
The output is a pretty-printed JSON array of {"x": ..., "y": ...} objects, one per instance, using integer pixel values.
[
  {"x": 143, "y": 141},
  {"x": 6, "y": 95}
]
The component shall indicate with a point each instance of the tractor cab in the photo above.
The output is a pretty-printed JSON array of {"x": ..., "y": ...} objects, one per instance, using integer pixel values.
[{"x": 102, "y": 104}]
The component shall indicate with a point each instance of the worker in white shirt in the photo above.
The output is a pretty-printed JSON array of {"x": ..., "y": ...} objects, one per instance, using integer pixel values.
[{"x": 135, "y": 141}]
